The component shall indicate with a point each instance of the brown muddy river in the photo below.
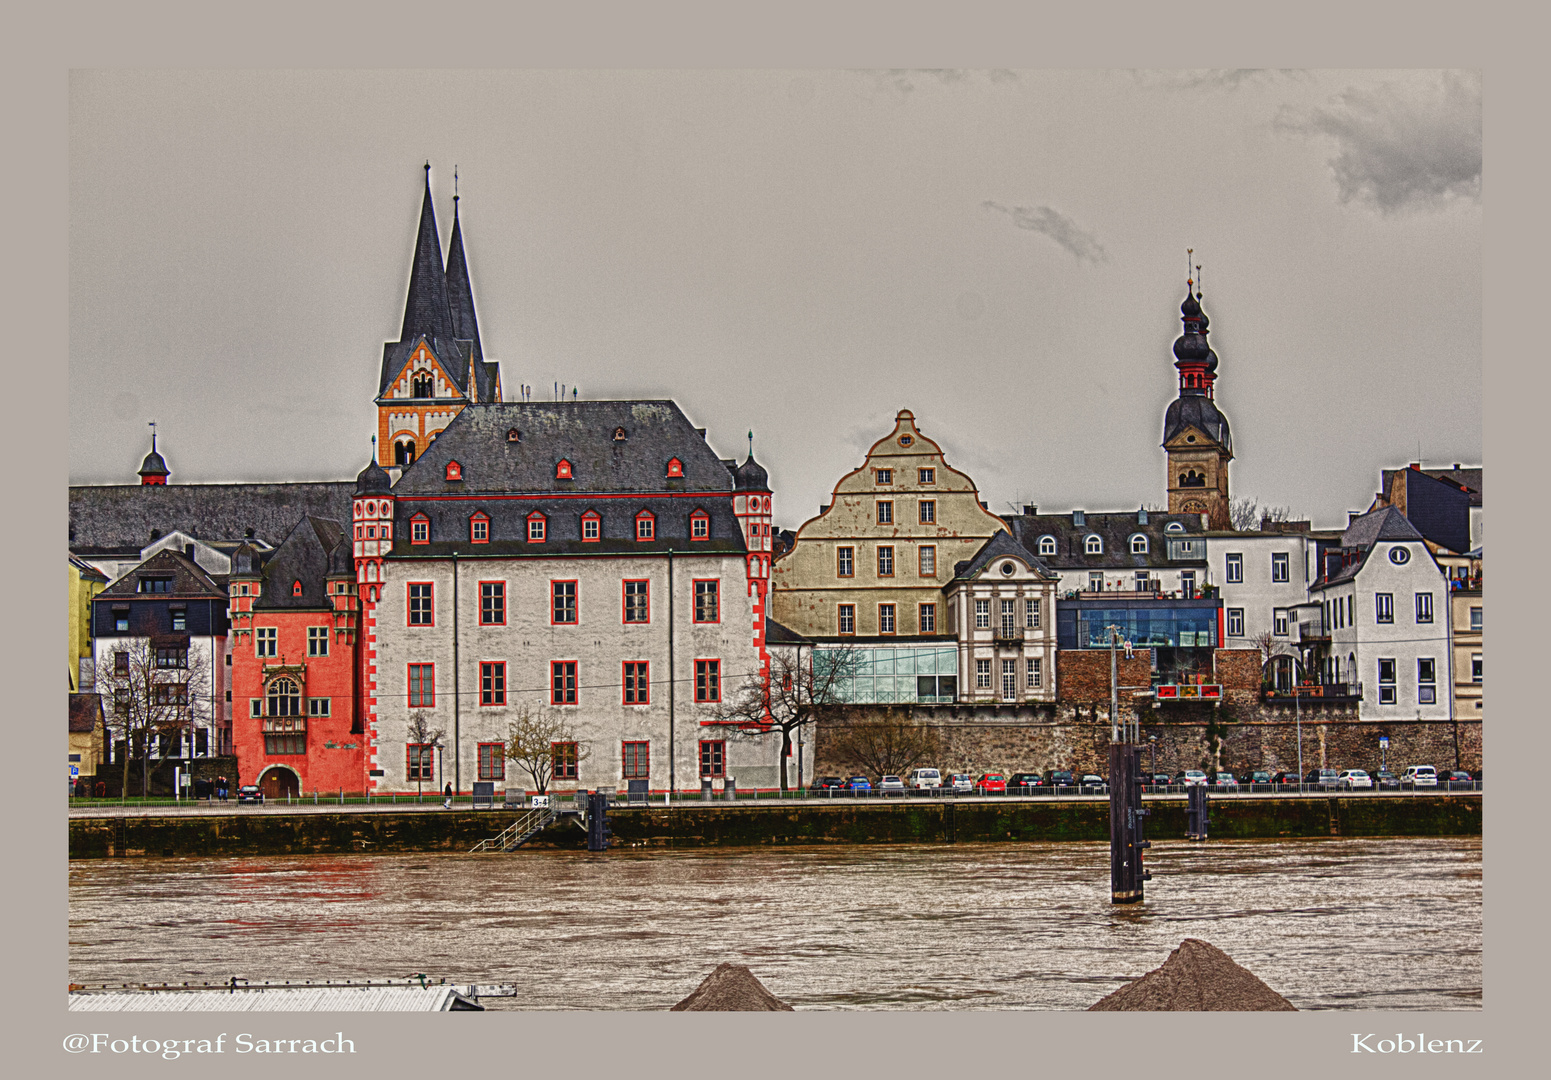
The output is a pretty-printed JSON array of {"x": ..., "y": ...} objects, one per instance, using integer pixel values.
[{"x": 1329, "y": 924}]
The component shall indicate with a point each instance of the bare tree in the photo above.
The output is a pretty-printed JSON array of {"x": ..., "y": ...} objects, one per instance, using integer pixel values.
[
  {"x": 531, "y": 739},
  {"x": 155, "y": 702},
  {"x": 885, "y": 743},
  {"x": 420, "y": 732},
  {"x": 803, "y": 686},
  {"x": 1246, "y": 515}
]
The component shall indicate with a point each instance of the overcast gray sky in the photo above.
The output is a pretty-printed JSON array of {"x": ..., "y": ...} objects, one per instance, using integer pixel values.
[{"x": 797, "y": 253}]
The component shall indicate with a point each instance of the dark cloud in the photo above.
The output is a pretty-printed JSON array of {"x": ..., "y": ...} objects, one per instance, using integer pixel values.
[
  {"x": 1060, "y": 228},
  {"x": 1400, "y": 146}
]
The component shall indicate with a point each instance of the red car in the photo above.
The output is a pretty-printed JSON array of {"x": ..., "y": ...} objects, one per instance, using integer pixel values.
[{"x": 992, "y": 783}]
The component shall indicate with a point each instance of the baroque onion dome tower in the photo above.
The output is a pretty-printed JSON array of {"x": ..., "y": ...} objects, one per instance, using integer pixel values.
[
  {"x": 1196, "y": 437},
  {"x": 437, "y": 366},
  {"x": 751, "y": 504},
  {"x": 371, "y": 531}
]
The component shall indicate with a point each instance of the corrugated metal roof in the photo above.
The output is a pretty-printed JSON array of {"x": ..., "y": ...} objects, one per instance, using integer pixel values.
[{"x": 322, "y": 999}]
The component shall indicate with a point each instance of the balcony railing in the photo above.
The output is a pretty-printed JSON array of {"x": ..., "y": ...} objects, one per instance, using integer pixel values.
[
  {"x": 1009, "y": 633},
  {"x": 1323, "y": 691}
]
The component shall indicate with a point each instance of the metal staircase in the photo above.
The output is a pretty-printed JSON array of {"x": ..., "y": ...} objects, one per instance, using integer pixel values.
[{"x": 519, "y": 832}]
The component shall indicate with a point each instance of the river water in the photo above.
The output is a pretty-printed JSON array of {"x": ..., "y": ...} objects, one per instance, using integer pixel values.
[{"x": 1329, "y": 924}]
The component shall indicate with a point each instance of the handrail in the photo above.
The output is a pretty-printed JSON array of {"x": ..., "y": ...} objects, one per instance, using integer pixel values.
[{"x": 518, "y": 832}]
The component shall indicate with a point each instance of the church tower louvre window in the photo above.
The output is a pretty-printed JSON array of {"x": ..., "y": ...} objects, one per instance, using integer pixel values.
[{"x": 1196, "y": 436}]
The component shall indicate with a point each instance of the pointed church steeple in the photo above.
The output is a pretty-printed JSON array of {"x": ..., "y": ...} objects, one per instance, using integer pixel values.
[
  {"x": 460, "y": 293},
  {"x": 425, "y": 309},
  {"x": 1196, "y": 437}
]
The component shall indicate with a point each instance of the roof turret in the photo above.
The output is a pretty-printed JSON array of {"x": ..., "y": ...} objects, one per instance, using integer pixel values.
[{"x": 373, "y": 480}]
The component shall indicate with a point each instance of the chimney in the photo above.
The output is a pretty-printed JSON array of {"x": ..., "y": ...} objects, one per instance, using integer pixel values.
[
  {"x": 1353, "y": 515},
  {"x": 188, "y": 552},
  {"x": 1456, "y": 466},
  {"x": 1416, "y": 465},
  {"x": 1029, "y": 509}
]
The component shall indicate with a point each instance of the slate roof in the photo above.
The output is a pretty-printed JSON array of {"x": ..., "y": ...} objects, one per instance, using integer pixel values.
[
  {"x": 1360, "y": 536},
  {"x": 781, "y": 634},
  {"x": 1116, "y": 530},
  {"x": 307, "y": 555},
  {"x": 581, "y": 433},
  {"x": 460, "y": 292},
  {"x": 189, "y": 580},
  {"x": 1196, "y": 410},
  {"x": 426, "y": 311},
  {"x": 85, "y": 713},
  {"x": 87, "y": 571},
  {"x": 999, "y": 546},
  {"x": 1469, "y": 479},
  {"x": 119, "y": 518}
]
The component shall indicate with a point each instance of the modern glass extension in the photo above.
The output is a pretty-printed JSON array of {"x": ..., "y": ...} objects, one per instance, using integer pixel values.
[{"x": 886, "y": 675}]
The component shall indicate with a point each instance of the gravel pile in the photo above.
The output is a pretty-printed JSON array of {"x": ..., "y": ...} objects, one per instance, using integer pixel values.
[
  {"x": 731, "y": 988},
  {"x": 1196, "y": 977}
]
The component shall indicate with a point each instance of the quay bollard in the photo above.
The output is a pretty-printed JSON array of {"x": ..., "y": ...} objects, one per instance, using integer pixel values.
[
  {"x": 705, "y": 790},
  {"x": 730, "y": 789}
]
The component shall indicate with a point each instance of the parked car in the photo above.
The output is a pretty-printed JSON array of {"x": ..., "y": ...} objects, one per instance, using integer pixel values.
[
  {"x": 1225, "y": 780},
  {"x": 1091, "y": 782},
  {"x": 1256, "y": 777},
  {"x": 961, "y": 781},
  {"x": 1417, "y": 776},
  {"x": 1285, "y": 777},
  {"x": 1059, "y": 778},
  {"x": 828, "y": 783},
  {"x": 250, "y": 793},
  {"x": 858, "y": 783},
  {"x": 891, "y": 785},
  {"x": 924, "y": 780},
  {"x": 1352, "y": 779},
  {"x": 1022, "y": 780},
  {"x": 1191, "y": 776},
  {"x": 991, "y": 783},
  {"x": 1322, "y": 778},
  {"x": 1384, "y": 779},
  {"x": 1454, "y": 776},
  {"x": 1158, "y": 779}
]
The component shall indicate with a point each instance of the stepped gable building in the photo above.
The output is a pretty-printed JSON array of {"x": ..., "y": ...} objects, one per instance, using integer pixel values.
[
  {"x": 595, "y": 561},
  {"x": 295, "y": 663},
  {"x": 438, "y": 365},
  {"x": 1195, "y": 432}
]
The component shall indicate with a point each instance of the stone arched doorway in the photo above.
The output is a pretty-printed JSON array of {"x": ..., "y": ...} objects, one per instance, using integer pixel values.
[{"x": 278, "y": 781}]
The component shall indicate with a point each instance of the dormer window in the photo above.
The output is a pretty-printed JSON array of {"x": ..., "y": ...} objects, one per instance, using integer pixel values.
[
  {"x": 1047, "y": 545},
  {"x": 619, "y": 434},
  {"x": 1094, "y": 544},
  {"x": 154, "y": 585},
  {"x": 700, "y": 525},
  {"x": 538, "y": 527},
  {"x": 675, "y": 469},
  {"x": 1174, "y": 527},
  {"x": 513, "y": 435},
  {"x": 419, "y": 529},
  {"x": 479, "y": 529},
  {"x": 296, "y": 588},
  {"x": 592, "y": 527},
  {"x": 454, "y": 471},
  {"x": 645, "y": 526},
  {"x": 563, "y": 470},
  {"x": 1138, "y": 544}
]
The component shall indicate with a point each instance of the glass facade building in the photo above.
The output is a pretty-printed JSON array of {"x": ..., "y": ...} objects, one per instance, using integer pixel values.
[{"x": 898, "y": 675}]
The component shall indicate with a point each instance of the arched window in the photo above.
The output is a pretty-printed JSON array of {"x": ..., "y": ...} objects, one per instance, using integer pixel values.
[
  {"x": 404, "y": 452},
  {"x": 1192, "y": 479},
  {"x": 285, "y": 698},
  {"x": 424, "y": 386},
  {"x": 1047, "y": 545},
  {"x": 1094, "y": 545},
  {"x": 1138, "y": 544},
  {"x": 645, "y": 525},
  {"x": 1174, "y": 527}
]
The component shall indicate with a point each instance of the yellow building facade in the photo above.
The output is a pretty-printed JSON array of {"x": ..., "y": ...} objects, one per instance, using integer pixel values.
[
  {"x": 85, "y": 583},
  {"x": 873, "y": 563}
]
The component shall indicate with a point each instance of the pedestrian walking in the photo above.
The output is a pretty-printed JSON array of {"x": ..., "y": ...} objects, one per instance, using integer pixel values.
[{"x": 447, "y": 803}]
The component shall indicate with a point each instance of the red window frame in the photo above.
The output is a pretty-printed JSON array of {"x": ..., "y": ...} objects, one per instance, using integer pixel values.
[
  {"x": 592, "y": 517},
  {"x": 700, "y": 525},
  {"x": 409, "y": 603},
  {"x": 488, "y": 591},
  {"x": 635, "y": 759},
  {"x": 637, "y": 682},
  {"x": 537, "y": 535},
  {"x": 716, "y": 598},
  {"x": 479, "y": 528},
  {"x": 713, "y": 759},
  {"x": 645, "y": 527},
  {"x": 562, "y": 682},
  {"x": 555, "y": 596},
  {"x": 624, "y": 598},
  {"x": 454, "y": 471},
  {"x": 421, "y": 680},
  {"x": 562, "y": 760},
  {"x": 419, "y": 529},
  {"x": 492, "y": 761},
  {"x": 675, "y": 468},
  {"x": 492, "y": 682},
  {"x": 563, "y": 470},
  {"x": 708, "y": 681},
  {"x": 419, "y": 761}
]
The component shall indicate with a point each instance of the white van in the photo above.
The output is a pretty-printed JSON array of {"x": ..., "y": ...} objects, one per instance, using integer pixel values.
[
  {"x": 924, "y": 780},
  {"x": 1419, "y": 776}
]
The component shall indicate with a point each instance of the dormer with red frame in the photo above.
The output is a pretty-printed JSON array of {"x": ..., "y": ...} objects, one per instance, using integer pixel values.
[
  {"x": 563, "y": 470},
  {"x": 675, "y": 469},
  {"x": 699, "y": 525},
  {"x": 454, "y": 471},
  {"x": 419, "y": 528},
  {"x": 479, "y": 527},
  {"x": 645, "y": 526},
  {"x": 592, "y": 527},
  {"x": 538, "y": 527}
]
